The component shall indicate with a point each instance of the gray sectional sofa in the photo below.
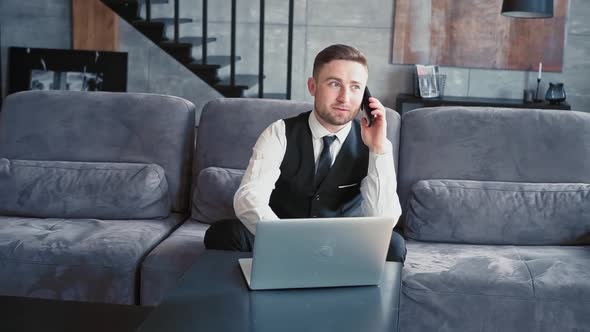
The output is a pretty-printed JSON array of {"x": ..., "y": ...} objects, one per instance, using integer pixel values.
[
  {"x": 90, "y": 183},
  {"x": 496, "y": 203},
  {"x": 497, "y": 212}
]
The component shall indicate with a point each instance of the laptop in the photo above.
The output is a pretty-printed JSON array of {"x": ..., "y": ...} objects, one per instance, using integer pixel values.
[{"x": 318, "y": 252}]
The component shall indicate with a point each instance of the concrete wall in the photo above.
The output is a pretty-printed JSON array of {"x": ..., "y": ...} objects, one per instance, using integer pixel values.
[
  {"x": 48, "y": 24},
  {"x": 368, "y": 25},
  {"x": 37, "y": 23},
  {"x": 318, "y": 23},
  {"x": 152, "y": 70}
]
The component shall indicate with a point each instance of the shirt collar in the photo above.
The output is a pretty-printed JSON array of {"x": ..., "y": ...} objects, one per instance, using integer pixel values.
[{"x": 318, "y": 131}]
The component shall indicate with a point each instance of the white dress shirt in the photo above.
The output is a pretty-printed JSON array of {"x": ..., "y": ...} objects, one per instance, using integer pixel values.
[{"x": 251, "y": 201}]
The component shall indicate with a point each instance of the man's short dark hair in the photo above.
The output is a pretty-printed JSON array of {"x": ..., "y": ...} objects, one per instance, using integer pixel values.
[{"x": 338, "y": 52}]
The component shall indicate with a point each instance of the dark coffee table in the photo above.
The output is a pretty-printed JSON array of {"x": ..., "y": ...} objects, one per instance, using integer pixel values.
[
  {"x": 213, "y": 296},
  {"x": 32, "y": 314}
]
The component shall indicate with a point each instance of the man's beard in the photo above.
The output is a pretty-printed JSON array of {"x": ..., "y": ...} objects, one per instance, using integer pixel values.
[{"x": 333, "y": 120}]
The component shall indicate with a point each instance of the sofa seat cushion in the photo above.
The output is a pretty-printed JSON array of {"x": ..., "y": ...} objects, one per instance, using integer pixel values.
[
  {"x": 164, "y": 266},
  {"x": 487, "y": 288},
  {"x": 77, "y": 259},
  {"x": 490, "y": 212},
  {"x": 64, "y": 189},
  {"x": 213, "y": 198}
]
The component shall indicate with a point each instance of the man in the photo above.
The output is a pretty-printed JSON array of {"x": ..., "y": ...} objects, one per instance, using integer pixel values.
[{"x": 322, "y": 163}]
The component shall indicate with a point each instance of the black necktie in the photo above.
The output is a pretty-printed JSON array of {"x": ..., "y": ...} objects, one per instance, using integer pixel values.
[{"x": 325, "y": 161}]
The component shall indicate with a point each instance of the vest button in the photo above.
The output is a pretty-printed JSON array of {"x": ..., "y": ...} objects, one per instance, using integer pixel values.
[{"x": 317, "y": 197}]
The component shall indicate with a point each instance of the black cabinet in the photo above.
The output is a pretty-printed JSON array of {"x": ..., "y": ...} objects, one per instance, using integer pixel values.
[{"x": 407, "y": 102}]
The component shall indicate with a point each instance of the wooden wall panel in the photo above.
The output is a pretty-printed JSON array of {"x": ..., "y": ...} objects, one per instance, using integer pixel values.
[
  {"x": 95, "y": 26},
  {"x": 472, "y": 33}
]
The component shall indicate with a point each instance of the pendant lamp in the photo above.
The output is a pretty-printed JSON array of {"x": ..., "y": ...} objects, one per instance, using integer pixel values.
[{"x": 528, "y": 8}]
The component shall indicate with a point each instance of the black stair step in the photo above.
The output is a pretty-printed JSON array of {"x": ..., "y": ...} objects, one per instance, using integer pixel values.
[
  {"x": 197, "y": 65},
  {"x": 172, "y": 44},
  {"x": 217, "y": 60},
  {"x": 207, "y": 73},
  {"x": 152, "y": 30},
  {"x": 180, "y": 51},
  {"x": 230, "y": 91},
  {"x": 153, "y": 2},
  {"x": 170, "y": 20},
  {"x": 209, "y": 76},
  {"x": 275, "y": 95},
  {"x": 133, "y": 2},
  {"x": 244, "y": 81},
  {"x": 128, "y": 10},
  {"x": 197, "y": 41}
]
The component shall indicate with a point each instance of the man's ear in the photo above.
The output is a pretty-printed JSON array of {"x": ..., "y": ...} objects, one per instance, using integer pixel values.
[{"x": 311, "y": 86}]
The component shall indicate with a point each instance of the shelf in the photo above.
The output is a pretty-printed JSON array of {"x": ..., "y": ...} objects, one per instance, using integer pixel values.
[{"x": 412, "y": 101}]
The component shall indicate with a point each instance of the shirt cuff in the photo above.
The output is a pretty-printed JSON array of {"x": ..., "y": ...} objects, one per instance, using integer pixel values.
[
  {"x": 387, "y": 151},
  {"x": 381, "y": 161}
]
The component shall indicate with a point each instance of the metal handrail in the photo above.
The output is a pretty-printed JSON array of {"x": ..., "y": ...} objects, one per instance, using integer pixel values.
[
  {"x": 1, "y": 90},
  {"x": 233, "y": 56},
  {"x": 290, "y": 49},
  {"x": 204, "y": 45},
  {"x": 176, "y": 19},
  {"x": 148, "y": 10},
  {"x": 261, "y": 53},
  {"x": 232, "y": 70}
]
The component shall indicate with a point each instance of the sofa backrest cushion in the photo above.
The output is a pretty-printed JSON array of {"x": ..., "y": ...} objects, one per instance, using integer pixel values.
[
  {"x": 58, "y": 189},
  {"x": 507, "y": 213},
  {"x": 214, "y": 194},
  {"x": 229, "y": 128},
  {"x": 103, "y": 127},
  {"x": 491, "y": 144}
]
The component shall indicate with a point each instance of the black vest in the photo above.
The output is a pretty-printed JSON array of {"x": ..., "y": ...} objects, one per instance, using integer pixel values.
[{"x": 295, "y": 195}]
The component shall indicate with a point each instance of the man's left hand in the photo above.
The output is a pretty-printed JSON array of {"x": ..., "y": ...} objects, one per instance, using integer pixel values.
[{"x": 375, "y": 136}]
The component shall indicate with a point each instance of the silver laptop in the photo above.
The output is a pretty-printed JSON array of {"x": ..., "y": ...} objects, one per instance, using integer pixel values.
[{"x": 318, "y": 252}]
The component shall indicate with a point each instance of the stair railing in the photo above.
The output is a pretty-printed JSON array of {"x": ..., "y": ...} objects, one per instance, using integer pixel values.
[
  {"x": 176, "y": 20},
  {"x": 232, "y": 68},
  {"x": 233, "y": 57},
  {"x": 148, "y": 10},
  {"x": 1, "y": 90},
  {"x": 204, "y": 43},
  {"x": 261, "y": 46},
  {"x": 261, "y": 53},
  {"x": 290, "y": 49}
]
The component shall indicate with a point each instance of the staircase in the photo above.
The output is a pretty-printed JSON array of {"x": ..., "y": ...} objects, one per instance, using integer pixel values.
[{"x": 208, "y": 67}]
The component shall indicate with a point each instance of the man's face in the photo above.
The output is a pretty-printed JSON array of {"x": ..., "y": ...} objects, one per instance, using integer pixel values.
[{"x": 338, "y": 92}]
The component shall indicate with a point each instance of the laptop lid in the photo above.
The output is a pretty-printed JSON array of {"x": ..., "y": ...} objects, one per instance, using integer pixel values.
[{"x": 318, "y": 252}]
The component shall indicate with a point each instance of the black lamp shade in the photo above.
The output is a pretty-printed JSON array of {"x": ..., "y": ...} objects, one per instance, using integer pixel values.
[{"x": 528, "y": 8}]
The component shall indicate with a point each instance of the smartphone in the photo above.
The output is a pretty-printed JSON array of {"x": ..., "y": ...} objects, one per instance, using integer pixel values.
[{"x": 365, "y": 105}]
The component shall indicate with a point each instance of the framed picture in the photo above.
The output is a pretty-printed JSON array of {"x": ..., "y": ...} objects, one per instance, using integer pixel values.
[
  {"x": 473, "y": 34},
  {"x": 62, "y": 69}
]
